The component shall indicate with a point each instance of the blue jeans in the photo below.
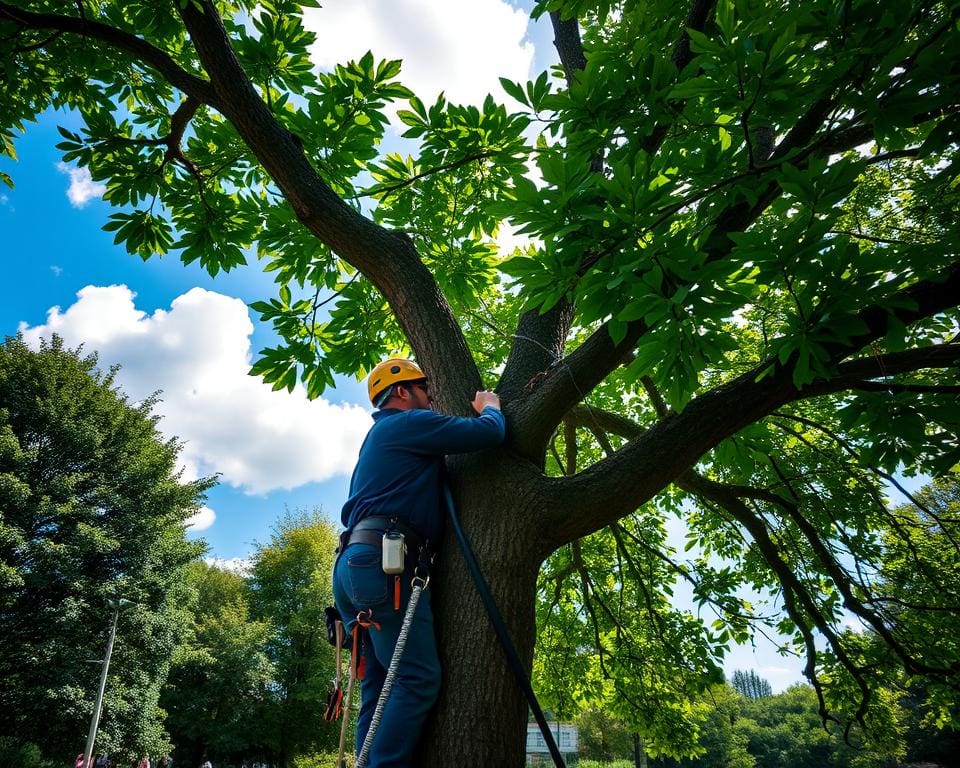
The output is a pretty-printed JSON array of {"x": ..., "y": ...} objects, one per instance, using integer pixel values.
[{"x": 359, "y": 584}]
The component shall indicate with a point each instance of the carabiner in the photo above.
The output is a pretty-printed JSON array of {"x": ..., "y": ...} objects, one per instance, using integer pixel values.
[{"x": 420, "y": 581}]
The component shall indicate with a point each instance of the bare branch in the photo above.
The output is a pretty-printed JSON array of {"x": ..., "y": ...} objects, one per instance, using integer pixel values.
[{"x": 794, "y": 589}]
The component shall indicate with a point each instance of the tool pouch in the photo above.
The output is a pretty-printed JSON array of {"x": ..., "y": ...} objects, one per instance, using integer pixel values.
[
  {"x": 394, "y": 552},
  {"x": 334, "y": 624}
]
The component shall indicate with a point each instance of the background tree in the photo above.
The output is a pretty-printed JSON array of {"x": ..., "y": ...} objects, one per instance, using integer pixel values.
[
  {"x": 750, "y": 684},
  {"x": 91, "y": 508},
  {"x": 217, "y": 690},
  {"x": 602, "y": 737},
  {"x": 785, "y": 730},
  {"x": 290, "y": 586},
  {"x": 740, "y": 306},
  {"x": 775, "y": 731}
]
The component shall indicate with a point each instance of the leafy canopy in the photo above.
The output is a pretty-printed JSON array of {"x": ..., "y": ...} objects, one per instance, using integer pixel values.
[{"x": 92, "y": 508}]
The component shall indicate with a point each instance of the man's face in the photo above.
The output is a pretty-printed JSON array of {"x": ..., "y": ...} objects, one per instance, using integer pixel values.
[{"x": 420, "y": 395}]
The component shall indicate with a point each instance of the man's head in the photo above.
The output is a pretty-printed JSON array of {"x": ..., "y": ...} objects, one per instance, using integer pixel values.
[{"x": 398, "y": 383}]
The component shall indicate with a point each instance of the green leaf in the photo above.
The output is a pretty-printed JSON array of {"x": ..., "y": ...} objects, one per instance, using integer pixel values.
[
  {"x": 515, "y": 90},
  {"x": 725, "y": 139}
]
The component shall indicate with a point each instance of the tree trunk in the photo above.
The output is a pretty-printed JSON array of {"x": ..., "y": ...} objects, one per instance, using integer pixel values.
[
  {"x": 482, "y": 714},
  {"x": 639, "y": 753}
]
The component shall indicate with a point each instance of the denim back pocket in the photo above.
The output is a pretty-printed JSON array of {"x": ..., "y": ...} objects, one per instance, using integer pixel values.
[{"x": 368, "y": 582}]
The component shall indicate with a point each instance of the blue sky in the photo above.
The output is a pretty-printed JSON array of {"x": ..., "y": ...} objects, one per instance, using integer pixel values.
[{"x": 172, "y": 327}]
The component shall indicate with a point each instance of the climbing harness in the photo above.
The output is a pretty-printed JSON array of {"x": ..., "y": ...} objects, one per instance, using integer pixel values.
[
  {"x": 418, "y": 584},
  {"x": 500, "y": 628}
]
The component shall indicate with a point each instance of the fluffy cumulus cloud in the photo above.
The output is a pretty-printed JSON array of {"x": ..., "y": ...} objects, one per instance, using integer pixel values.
[
  {"x": 82, "y": 188},
  {"x": 460, "y": 47},
  {"x": 203, "y": 519},
  {"x": 197, "y": 354}
]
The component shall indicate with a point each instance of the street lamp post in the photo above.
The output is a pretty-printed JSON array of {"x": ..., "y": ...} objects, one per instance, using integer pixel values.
[{"x": 117, "y": 605}]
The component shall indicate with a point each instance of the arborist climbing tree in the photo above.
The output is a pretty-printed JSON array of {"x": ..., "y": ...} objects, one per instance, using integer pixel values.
[{"x": 394, "y": 519}]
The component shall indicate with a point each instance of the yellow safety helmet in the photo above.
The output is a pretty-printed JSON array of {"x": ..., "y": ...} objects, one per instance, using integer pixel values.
[{"x": 390, "y": 372}]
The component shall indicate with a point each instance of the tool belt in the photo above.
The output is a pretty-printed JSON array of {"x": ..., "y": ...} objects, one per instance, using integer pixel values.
[{"x": 370, "y": 531}]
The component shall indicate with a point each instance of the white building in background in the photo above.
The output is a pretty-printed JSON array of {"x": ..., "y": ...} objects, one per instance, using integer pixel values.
[{"x": 565, "y": 734}]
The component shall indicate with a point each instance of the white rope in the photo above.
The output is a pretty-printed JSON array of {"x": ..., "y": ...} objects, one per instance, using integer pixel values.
[{"x": 418, "y": 585}]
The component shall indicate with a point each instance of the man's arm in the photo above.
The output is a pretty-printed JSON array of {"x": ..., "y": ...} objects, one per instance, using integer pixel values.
[{"x": 438, "y": 434}]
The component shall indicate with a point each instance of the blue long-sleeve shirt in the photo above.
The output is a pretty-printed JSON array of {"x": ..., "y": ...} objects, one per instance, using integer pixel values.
[{"x": 400, "y": 469}]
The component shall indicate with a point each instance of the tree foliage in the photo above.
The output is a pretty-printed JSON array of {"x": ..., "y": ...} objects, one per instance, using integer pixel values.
[
  {"x": 290, "y": 587},
  {"x": 739, "y": 305},
  {"x": 251, "y": 676},
  {"x": 750, "y": 684},
  {"x": 220, "y": 673},
  {"x": 91, "y": 508}
]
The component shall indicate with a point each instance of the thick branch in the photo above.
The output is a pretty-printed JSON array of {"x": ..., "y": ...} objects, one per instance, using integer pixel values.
[
  {"x": 741, "y": 215},
  {"x": 568, "y": 382},
  {"x": 568, "y": 44},
  {"x": 116, "y": 38},
  {"x": 618, "y": 484},
  {"x": 538, "y": 345},
  {"x": 895, "y": 388},
  {"x": 925, "y": 298},
  {"x": 697, "y": 17},
  {"x": 389, "y": 260},
  {"x": 540, "y": 338}
]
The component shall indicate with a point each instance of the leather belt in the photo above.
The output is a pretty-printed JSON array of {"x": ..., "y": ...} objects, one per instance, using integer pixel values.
[
  {"x": 370, "y": 530},
  {"x": 374, "y": 538}
]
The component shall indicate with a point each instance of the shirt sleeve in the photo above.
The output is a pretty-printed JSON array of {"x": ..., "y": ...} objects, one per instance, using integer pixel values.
[{"x": 438, "y": 434}]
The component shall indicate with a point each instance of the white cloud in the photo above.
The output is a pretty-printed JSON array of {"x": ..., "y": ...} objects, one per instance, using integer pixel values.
[
  {"x": 240, "y": 565},
  {"x": 203, "y": 519},
  {"x": 198, "y": 353},
  {"x": 57, "y": 271},
  {"x": 82, "y": 189},
  {"x": 460, "y": 47}
]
